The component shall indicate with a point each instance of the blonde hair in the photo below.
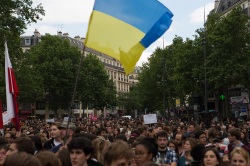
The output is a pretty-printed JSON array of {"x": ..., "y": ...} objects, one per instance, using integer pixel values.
[
  {"x": 241, "y": 151},
  {"x": 99, "y": 144}
]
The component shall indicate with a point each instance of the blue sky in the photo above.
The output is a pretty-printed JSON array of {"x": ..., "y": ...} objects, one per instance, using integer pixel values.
[{"x": 72, "y": 16}]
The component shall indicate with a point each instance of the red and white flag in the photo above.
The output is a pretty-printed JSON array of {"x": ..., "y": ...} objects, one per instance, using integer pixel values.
[{"x": 11, "y": 90}]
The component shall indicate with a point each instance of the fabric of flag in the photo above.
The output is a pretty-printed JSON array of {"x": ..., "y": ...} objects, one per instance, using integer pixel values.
[
  {"x": 123, "y": 29},
  {"x": 11, "y": 90}
]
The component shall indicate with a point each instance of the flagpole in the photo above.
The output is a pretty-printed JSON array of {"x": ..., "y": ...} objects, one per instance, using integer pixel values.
[
  {"x": 70, "y": 112},
  {"x": 1, "y": 118}
]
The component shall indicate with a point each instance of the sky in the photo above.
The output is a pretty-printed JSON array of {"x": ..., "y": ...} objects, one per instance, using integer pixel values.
[{"x": 72, "y": 16}]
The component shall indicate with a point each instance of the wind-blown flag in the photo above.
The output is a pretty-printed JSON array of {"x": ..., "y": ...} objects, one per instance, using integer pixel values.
[
  {"x": 123, "y": 29},
  {"x": 11, "y": 90}
]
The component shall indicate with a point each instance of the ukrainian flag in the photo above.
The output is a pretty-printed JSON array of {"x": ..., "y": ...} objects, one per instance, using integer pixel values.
[{"x": 123, "y": 29}]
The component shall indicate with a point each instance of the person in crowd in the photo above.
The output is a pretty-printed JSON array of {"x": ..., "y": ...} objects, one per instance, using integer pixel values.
[
  {"x": 240, "y": 157},
  {"x": 56, "y": 137},
  {"x": 201, "y": 138},
  {"x": 80, "y": 150},
  {"x": 118, "y": 153},
  {"x": 22, "y": 144},
  {"x": 196, "y": 154},
  {"x": 190, "y": 132},
  {"x": 172, "y": 145},
  {"x": 211, "y": 157},
  {"x": 37, "y": 142},
  {"x": 64, "y": 157},
  {"x": 165, "y": 155},
  {"x": 215, "y": 140},
  {"x": 244, "y": 138},
  {"x": 66, "y": 137},
  {"x": 47, "y": 158},
  {"x": 21, "y": 159},
  {"x": 145, "y": 150},
  {"x": 102, "y": 132},
  {"x": 100, "y": 145},
  {"x": 179, "y": 138},
  {"x": 9, "y": 137},
  {"x": 234, "y": 138},
  {"x": 116, "y": 132},
  {"x": 187, "y": 158},
  {"x": 3, "y": 149}
]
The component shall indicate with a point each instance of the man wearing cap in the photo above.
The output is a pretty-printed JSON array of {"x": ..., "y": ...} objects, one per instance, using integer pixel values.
[{"x": 67, "y": 137}]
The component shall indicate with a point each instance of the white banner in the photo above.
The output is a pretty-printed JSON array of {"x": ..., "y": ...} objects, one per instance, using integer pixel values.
[
  {"x": 239, "y": 99},
  {"x": 150, "y": 118},
  {"x": 6, "y": 119}
]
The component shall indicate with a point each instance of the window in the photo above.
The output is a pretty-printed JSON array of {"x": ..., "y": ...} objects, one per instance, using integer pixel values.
[{"x": 27, "y": 41}]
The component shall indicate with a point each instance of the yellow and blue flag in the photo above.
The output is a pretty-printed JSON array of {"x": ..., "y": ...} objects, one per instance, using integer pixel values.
[{"x": 123, "y": 29}]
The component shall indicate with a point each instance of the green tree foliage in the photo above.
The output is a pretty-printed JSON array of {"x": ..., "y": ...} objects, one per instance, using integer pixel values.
[
  {"x": 55, "y": 62},
  {"x": 14, "y": 17},
  {"x": 224, "y": 44},
  {"x": 95, "y": 88},
  {"x": 228, "y": 59}
]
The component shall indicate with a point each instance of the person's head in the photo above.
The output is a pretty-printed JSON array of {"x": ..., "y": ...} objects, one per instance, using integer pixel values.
[
  {"x": 162, "y": 140},
  {"x": 191, "y": 127},
  {"x": 189, "y": 143},
  {"x": 102, "y": 132},
  {"x": 48, "y": 158},
  {"x": 37, "y": 142},
  {"x": 201, "y": 138},
  {"x": 118, "y": 153},
  {"x": 240, "y": 157},
  {"x": 55, "y": 132},
  {"x": 3, "y": 150},
  {"x": 9, "y": 136},
  {"x": 24, "y": 130},
  {"x": 80, "y": 150},
  {"x": 99, "y": 144},
  {"x": 211, "y": 157},
  {"x": 233, "y": 135},
  {"x": 197, "y": 151},
  {"x": 145, "y": 150},
  {"x": 22, "y": 144},
  {"x": 21, "y": 159},
  {"x": 172, "y": 145},
  {"x": 64, "y": 157},
  {"x": 71, "y": 129},
  {"x": 13, "y": 130},
  {"x": 179, "y": 138}
]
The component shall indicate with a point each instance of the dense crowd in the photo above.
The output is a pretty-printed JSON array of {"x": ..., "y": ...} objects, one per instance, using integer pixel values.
[{"x": 124, "y": 141}]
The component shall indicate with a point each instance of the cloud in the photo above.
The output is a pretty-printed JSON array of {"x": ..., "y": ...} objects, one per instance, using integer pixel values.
[
  {"x": 65, "y": 11},
  {"x": 197, "y": 16}
]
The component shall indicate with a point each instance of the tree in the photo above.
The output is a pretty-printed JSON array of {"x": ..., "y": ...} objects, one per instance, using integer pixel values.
[
  {"x": 95, "y": 88},
  {"x": 14, "y": 17},
  {"x": 228, "y": 37},
  {"x": 56, "y": 62}
]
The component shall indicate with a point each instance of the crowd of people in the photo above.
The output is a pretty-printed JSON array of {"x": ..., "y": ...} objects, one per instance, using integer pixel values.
[{"x": 124, "y": 142}]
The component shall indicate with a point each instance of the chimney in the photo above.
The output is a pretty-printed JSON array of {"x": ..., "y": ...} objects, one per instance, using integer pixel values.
[
  {"x": 216, "y": 4},
  {"x": 65, "y": 34},
  {"x": 36, "y": 33},
  {"x": 77, "y": 37},
  {"x": 59, "y": 33}
]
